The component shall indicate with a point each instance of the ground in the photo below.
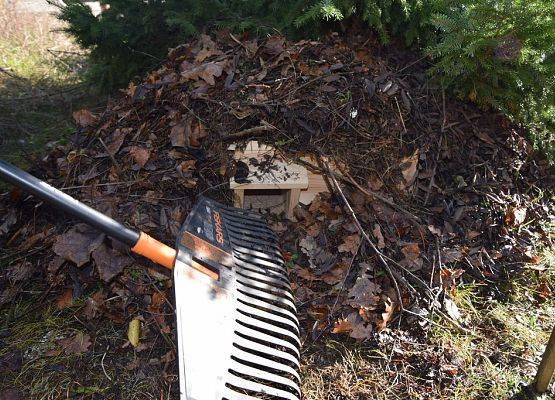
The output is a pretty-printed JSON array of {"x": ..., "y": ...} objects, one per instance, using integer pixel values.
[{"x": 452, "y": 197}]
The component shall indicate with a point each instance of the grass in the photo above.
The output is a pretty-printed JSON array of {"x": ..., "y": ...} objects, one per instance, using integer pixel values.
[
  {"x": 494, "y": 357},
  {"x": 40, "y": 83}
]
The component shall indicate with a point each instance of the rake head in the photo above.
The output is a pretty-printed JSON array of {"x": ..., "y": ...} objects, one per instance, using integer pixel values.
[{"x": 238, "y": 332}]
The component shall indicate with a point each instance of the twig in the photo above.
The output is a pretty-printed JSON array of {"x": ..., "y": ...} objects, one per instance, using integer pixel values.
[
  {"x": 401, "y": 116},
  {"x": 410, "y": 65},
  {"x": 349, "y": 179},
  {"x": 363, "y": 232},
  {"x": 110, "y": 154},
  {"x": 265, "y": 127},
  {"x": 104, "y": 370}
]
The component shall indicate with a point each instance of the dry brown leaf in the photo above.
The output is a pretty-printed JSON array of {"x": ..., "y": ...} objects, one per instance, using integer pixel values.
[
  {"x": 336, "y": 274},
  {"x": 177, "y": 135},
  {"x": 110, "y": 263},
  {"x": 140, "y": 155},
  {"x": 84, "y": 118},
  {"x": 377, "y": 232},
  {"x": 412, "y": 258},
  {"x": 364, "y": 293},
  {"x": 197, "y": 133},
  {"x": 448, "y": 277},
  {"x": 342, "y": 326},
  {"x": 77, "y": 244},
  {"x": 65, "y": 300},
  {"x": 275, "y": 45},
  {"x": 115, "y": 143},
  {"x": 93, "y": 304},
  {"x": 77, "y": 344},
  {"x": 387, "y": 315},
  {"x": 360, "y": 330},
  {"x": 350, "y": 244},
  {"x": 409, "y": 168},
  {"x": 207, "y": 72}
]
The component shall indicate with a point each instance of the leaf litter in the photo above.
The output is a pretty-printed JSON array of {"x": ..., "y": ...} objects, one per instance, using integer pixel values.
[{"x": 443, "y": 205}]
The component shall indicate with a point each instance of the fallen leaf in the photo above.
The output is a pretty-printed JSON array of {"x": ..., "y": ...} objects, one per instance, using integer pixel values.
[
  {"x": 140, "y": 155},
  {"x": 449, "y": 276},
  {"x": 364, "y": 293},
  {"x": 387, "y": 315},
  {"x": 377, "y": 232},
  {"x": 350, "y": 244},
  {"x": 8, "y": 221},
  {"x": 342, "y": 326},
  {"x": 115, "y": 144},
  {"x": 360, "y": 330},
  {"x": 177, "y": 135},
  {"x": 110, "y": 263},
  {"x": 336, "y": 274},
  {"x": 77, "y": 344},
  {"x": 134, "y": 331},
  {"x": 92, "y": 305},
  {"x": 451, "y": 309},
  {"x": 515, "y": 216},
  {"x": 409, "y": 168},
  {"x": 65, "y": 300},
  {"x": 77, "y": 244},
  {"x": 206, "y": 72},
  {"x": 84, "y": 118}
]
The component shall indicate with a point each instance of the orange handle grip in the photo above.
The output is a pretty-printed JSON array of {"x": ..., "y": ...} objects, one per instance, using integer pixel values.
[{"x": 155, "y": 251}]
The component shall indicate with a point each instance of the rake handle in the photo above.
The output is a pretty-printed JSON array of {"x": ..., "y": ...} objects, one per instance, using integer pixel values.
[{"x": 139, "y": 242}]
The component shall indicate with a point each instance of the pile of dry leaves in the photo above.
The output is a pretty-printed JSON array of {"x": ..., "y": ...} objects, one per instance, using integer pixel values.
[{"x": 442, "y": 191}]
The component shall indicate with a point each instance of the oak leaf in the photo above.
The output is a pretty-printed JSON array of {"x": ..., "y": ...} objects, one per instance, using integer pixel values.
[
  {"x": 110, "y": 263},
  {"x": 84, "y": 118},
  {"x": 364, "y": 293},
  {"x": 350, "y": 244},
  {"x": 361, "y": 330},
  {"x": 387, "y": 315},
  {"x": 77, "y": 344},
  {"x": 140, "y": 155},
  {"x": 77, "y": 244}
]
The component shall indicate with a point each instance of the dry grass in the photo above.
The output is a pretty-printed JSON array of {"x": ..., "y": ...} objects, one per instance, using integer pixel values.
[
  {"x": 40, "y": 81},
  {"x": 496, "y": 358}
]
